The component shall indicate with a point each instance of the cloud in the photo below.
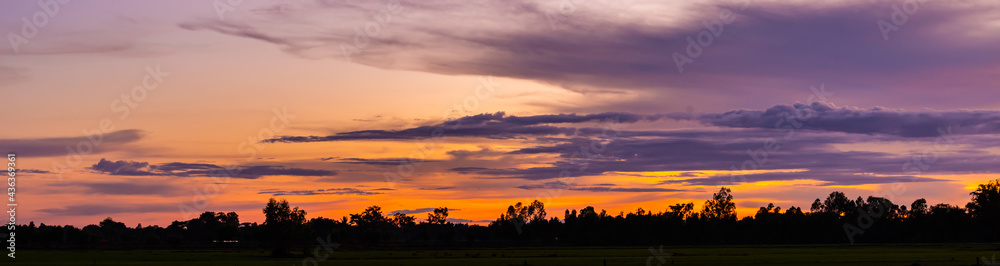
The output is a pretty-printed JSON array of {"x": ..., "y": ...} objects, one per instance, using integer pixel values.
[
  {"x": 727, "y": 152},
  {"x": 122, "y": 168},
  {"x": 268, "y": 170},
  {"x": 130, "y": 209},
  {"x": 175, "y": 166},
  {"x": 596, "y": 187},
  {"x": 484, "y": 151},
  {"x": 733, "y": 138},
  {"x": 461, "y": 220},
  {"x": 497, "y": 125},
  {"x": 379, "y": 162},
  {"x": 109, "y": 209},
  {"x": 134, "y": 168},
  {"x": 33, "y": 171},
  {"x": 828, "y": 117},
  {"x": 44, "y": 147},
  {"x": 814, "y": 116},
  {"x": 436, "y": 188},
  {"x": 329, "y": 191},
  {"x": 829, "y": 178},
  {"x": 127, "y": 189},
  {"x": 419, "y": 210},
  {"x": 769, "y": 49}
]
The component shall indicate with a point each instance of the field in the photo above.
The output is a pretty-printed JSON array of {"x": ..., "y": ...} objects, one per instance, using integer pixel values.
[{"x": 910, "y": 254}]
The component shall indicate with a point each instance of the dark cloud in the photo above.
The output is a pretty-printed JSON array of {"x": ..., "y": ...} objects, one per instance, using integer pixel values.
[
  {"x": 43, "y": 147},
  {"x": 733, "y": 152},
  {"x": 768, "y": 50},
  {"x": 329, "y": 191},
  {"x": 33, "y": 171},
  {"x": 484, "y": 151},
  {"x": 815, "y": 116},
  {"x": 688, "y": 174},
  {"x": 420, "y": 210},
  {"x": 796, "y": 129},
  {"x": 133, "y": 168},
  {"x": 465, "y": 170},
  {"x": 122, "y": 168},
  {"x": 827, "y": 117},
  {"x": 109, "y": 209},
  {"x": 268, "y": 170},
  {"x": 461, "y": 220},
  {"x": 497, "y": 125},
  {"x": 128, "y": 189},
  {"x": 829, "y": 177},
  {"x": 175, "y": 166},
  {"x": 382, "y": 161},
  {"x": 436, "y": 188},
  {"x": 106, "y": 209},
  {"x": 596, "y": 187}
]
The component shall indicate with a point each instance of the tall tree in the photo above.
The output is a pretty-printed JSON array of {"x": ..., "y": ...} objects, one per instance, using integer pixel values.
[
  {"x": 438, "y": 216},
  {"x": 282, "y": 224},
  {"x": 986, "y": 201},
  {"x": 985, "y": 206},
  {"x": 403, "y": 220},
  {"x": 838, "y": 203},
  {"x": 918, "y": 207},
  {"x": 721, "y": 206},
  {"x": 681, "y": 210},
  {"x": 371, "y": 218},
  {"x": 537, "y": 211}
]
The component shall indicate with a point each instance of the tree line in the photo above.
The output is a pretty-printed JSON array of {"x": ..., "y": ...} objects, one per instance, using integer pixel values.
[{"x": 833, "y": 219}]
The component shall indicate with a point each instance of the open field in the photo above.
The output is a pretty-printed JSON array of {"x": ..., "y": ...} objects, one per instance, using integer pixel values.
[{"x": 910, "y": 254}]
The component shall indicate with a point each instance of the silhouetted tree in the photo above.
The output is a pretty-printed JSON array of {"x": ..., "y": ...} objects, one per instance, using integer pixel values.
[
  {"x": 438, "y": 216},
  {"x": 985, "y": 206},
  {"x": 284, "y": 227},
  {"x": 721, "y": 206},
  {"x": 371, "y": 218},
  {"x": 536, "y": 211},
  {"x": 918, "y": 208},
  {"x": 681, "y": 210},
  {"x": 403, "y": 220},
  {"x": 282, "y": 224},
  {"x": 838, "y": 203}
]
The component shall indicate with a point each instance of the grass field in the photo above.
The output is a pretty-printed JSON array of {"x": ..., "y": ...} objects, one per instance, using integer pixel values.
[{"x": 918, "y": 254}]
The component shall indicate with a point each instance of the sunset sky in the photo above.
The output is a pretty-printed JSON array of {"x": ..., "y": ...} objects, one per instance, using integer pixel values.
[{"x": 475, "y": 105}]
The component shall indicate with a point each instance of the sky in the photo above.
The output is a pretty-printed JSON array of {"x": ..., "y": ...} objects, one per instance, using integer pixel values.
[{"x": 154, "y": 111}]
